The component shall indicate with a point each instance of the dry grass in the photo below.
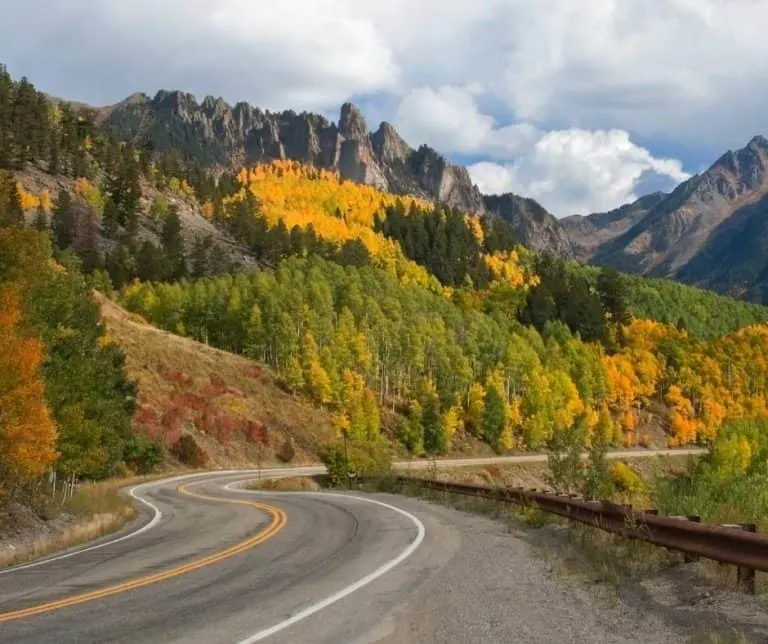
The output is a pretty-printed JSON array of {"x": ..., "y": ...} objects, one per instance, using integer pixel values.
[
  {"x": 74, "y": 535},
  {"x": 535, "y": 475},
  {"x": 93, "y": 511},
  {"x": 189, "y": 387},
  {"x": 287, "y": 484}
]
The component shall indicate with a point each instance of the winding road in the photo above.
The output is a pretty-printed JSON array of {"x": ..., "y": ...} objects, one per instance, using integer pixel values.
[
  {"x": 221, "y": 565},
  {"x": 208, "y": 561}
]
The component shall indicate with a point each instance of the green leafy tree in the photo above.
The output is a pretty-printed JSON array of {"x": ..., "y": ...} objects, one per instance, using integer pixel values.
[{"x": 494, "y": 416}]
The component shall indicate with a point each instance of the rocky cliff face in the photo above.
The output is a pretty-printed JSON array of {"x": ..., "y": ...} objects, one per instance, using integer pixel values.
[
  {"x": 531, "y": 223},
  {"x": 215, "y": 133}
]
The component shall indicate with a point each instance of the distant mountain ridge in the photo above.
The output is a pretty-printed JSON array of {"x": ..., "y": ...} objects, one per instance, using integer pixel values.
[
  {"x": 587, "y": 233},
  {"x": 711, "y": 231}
]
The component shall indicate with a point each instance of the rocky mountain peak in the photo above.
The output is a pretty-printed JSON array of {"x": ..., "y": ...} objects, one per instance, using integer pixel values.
[
  {"x": 215, "y": 106},
  {"x": 688, "y": 233},
  {"x": 352, "y": 125},
  {"x": 738, "y": 173},
  {"x": 531, "y": 223},
  {"x": 218, "y": 135},
  {"x": 137, "y": 98},
  {"x": 389, "y": 145},
  {"x": 758, "y": 142}
]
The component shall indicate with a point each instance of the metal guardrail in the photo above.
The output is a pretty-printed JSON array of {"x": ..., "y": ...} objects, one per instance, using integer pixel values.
[{"x": 736, "y": 544}]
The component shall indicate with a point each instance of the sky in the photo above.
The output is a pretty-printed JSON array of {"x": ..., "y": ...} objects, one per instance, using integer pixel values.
[{"x": 581, "y": 104}]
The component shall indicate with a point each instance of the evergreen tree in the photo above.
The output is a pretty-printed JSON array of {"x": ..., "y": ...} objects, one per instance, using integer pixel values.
[
  {"x": 431, "y": 422},
  {"x": 111, "y": 218},
  {"x": 6, "y": 99},
  {"x": 54, "y": 153},
  {"x": 200, "y": 252},
  {"x": 41, "y": 220},
  {"x": 613, "y": 295},
  {"x": 11, "y": 212},
  {"x": 353, "y": 253},
  {"x": 87, "y": 246},
  {"x": 63, "y": 221},
  {"x": 540, "y": 309},
  {"x": 120, "y": 266},
  {"x": 151, "y": 263},
  {"x": 173, "y": 245}
]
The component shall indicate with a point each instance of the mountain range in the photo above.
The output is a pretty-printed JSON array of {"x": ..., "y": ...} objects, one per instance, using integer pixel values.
[
  {"x": 217, "y": 134},
  {"x": 710, "y": 231}
]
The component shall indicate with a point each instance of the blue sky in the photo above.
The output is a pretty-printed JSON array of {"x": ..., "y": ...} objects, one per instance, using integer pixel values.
[{"x": 581, "y": 104}]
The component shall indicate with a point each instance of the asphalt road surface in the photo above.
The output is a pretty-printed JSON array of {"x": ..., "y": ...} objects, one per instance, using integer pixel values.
[
  {"x": 223, "y": 566},
  {"x": 209, "y": 562}
]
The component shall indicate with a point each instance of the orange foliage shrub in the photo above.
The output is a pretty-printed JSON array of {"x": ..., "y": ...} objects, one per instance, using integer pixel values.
[{"x": 27, "y": 431}]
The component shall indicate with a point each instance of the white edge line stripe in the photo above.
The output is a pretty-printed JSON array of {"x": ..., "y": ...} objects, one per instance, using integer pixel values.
[{"x": 348, "y": 590}]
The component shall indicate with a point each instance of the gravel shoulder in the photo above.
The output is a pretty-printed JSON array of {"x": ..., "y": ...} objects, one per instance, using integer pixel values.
[{"x": 508, "y": 582}]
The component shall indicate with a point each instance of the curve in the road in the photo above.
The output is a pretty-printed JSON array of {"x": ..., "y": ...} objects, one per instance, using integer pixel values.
[
  {"x": 278, "y": 521},
  {"x": 352, "y": 588},
  {"x": 157, "y": 516}
]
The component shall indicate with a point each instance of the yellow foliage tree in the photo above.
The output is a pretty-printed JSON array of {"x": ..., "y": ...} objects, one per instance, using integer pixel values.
[{"x": 475, "y": 408}]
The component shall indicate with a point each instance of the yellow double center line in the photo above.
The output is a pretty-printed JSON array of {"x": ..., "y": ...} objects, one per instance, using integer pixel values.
[{"x": 278, "y": 521}]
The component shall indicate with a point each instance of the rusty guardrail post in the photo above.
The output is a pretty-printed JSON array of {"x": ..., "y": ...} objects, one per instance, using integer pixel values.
[
  {"x": 745, "y": 577},
  {"x": 686, "y": 557}
]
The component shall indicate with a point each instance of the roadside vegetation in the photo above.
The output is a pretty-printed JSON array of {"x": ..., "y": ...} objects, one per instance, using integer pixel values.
[{"x": 51, "y": 523}]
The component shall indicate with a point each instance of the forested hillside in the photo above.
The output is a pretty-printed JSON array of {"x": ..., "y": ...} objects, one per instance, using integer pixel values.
[
  {"x": 370, "y": 305},
  {"x": 354, "y": 337}
]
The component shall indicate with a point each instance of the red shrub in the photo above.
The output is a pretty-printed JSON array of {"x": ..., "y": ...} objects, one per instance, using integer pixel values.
[
  {"x": 254, "y": 372},
  {"x": 188, "y": 400},
  {"x": 171, "y": 375},
  {"x": 218, "y": 384},
  {"x": 220, "y": 425},
  {"x": 257, "y": 432},
  {"x": 146, "y": 415}
]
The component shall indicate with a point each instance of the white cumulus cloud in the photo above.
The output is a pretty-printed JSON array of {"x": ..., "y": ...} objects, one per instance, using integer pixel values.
[
  {"x": 279, "y": 55},
  {"x": 449, "y": 119},
  {"x": 578, "y": 171}
]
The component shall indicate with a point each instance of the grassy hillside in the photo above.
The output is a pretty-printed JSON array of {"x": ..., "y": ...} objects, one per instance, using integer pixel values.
[{"x": 185, "y": 387}]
